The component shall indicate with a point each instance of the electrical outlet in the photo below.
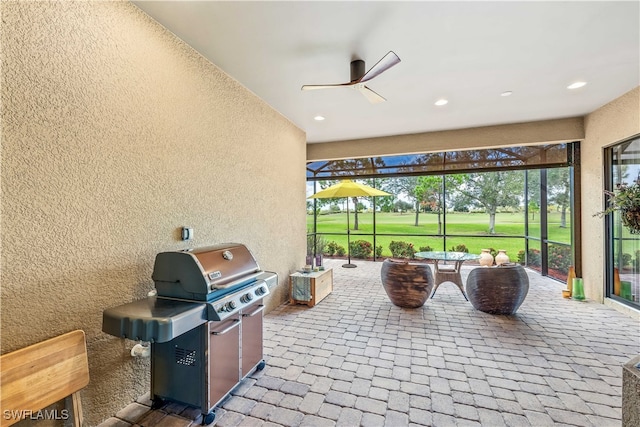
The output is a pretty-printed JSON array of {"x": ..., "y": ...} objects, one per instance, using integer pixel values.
[{"x": 187, "y": 233}]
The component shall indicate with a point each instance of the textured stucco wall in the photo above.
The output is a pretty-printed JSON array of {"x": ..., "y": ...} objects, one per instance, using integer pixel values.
[
  {"x": 560, "y": 130},
  {"x": 115, "y": 134},
  {"x": 613, "y": 122}
]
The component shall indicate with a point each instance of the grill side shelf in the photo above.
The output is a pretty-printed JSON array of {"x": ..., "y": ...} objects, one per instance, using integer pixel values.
[{"x": 153, "y": 319}]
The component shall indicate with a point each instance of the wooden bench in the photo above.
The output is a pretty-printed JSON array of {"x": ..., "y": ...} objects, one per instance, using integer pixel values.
[{"x": 42, "y": 374}]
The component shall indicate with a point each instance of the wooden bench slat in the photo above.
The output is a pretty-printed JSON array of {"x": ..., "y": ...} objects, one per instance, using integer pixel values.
[{"x": 39, "y": 375}]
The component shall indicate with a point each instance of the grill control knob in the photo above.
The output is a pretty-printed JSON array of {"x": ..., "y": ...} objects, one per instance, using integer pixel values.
[
  {"x": 246, "y": 298},
  {"x": 261, "y": 290},
  {"x": 231, "y": 305}
]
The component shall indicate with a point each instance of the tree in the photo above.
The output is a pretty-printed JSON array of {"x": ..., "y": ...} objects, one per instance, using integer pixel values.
[
  {"x": 493, "y": 190},
  {"x": 559, "y": 191},
  {"x": 406, "y": 185},
  {"x": 429, "y": 190}
]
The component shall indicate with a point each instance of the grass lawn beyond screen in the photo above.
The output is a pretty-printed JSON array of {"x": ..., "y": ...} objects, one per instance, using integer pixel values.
[{"x": 509, "y": 230}]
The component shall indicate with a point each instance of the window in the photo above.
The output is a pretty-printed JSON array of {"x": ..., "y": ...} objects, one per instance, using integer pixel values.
[{"x": 622, "y": 165}]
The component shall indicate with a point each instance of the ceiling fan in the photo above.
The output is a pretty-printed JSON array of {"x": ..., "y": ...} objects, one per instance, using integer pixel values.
[{"x": 359, "y": 77}]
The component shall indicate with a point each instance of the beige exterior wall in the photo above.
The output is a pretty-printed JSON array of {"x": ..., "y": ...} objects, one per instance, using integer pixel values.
[
  {"x": 614, "y": 122},
  {"x": 561, "y": 130},
  {"x": 114, "y": 135}
]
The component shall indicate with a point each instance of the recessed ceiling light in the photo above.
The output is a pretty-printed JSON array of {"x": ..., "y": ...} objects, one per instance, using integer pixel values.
[
  {"x": 576, "y": 85},
  {"x": 506, "y": 93},
  {"x": 441, "y": 102},
  {"x": 318, "y": 118}
]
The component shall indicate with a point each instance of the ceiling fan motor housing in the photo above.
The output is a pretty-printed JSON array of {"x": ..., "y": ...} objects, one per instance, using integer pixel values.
[{"x": 357, "y": 69}]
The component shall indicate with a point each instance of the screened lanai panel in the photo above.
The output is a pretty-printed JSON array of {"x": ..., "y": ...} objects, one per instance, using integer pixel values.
[{"x": 524, "y": 157}]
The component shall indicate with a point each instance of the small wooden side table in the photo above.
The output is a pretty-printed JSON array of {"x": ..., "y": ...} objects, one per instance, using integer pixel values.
[{"x": 310, "y": 288}]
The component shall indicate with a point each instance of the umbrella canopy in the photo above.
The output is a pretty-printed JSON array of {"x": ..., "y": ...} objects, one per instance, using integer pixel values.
[{"x": 348, "y": 188}]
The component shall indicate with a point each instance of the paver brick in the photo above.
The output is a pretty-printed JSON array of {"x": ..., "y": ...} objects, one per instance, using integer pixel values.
[
  {"x": 510, "y": 406},
  {"x": 366, "y": 404},
  {"x": 293, "y": 387},
  {"x": 372, "y": 420},
  {"x": 443, "y": 420},
  {"x": 420, "y": 416},
  {"x": 466, "y": 411},
  {"x": 503, "y": 383},
  {"x": 480, "y": 387},
  {"x": 262, "y": 410},
  {"x": 329, "y": 411},
  {"x": 343, "y": 386},
  {"x": 349, "y": 417},
  {"x": 515, "y": 420},
  {"x": 568, "y": 417},
  {"x": 442, "y": 403},
  {"x": 272, "y": 397},
  {"x": 395, "y": 418},
  {"x": 551, "y": 402},
  {"x": 340, "y": 398},
  {"x": 360, "y": 387},
  {"x": 239, "y": 404},
  {"x": 536, "y": 419},
  {"x": 285, "y": 417},
  {"x": 229, "y": 419},
  {"x": 487, "y": 402},
  {"x": 574, "y": 403},
  {"x": 314, "y": 421},
  {"x": 311, "y": 403},
  {"x": 320, "y": 385},
  {"x": 379, "y": 393},
  {"x": 489, "y": 417}
]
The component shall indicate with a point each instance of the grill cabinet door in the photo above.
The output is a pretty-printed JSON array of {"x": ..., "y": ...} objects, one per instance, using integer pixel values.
[
  {"x": 224, "y": 359},
  {"x": 251, "y": 337}
]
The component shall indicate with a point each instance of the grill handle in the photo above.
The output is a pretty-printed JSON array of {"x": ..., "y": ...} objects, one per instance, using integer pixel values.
[
  {"x": 254, "y": 312},
  {"x": 235, "y": 323}
]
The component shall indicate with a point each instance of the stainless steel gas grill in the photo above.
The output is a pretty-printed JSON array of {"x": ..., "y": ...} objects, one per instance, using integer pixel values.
[{"x": 204, "y": 325}]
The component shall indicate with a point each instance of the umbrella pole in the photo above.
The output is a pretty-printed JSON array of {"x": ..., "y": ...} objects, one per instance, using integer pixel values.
[{"x": 348, "y": 265}]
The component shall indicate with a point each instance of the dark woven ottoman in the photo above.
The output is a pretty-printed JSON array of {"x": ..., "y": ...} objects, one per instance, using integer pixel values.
[
  {"x": 407, "y": 284},
  {"x": 498, "y": 290}
]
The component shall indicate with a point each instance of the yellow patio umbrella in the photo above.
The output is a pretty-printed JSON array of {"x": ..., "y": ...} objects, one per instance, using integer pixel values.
[{"x": 347, "y": 188}]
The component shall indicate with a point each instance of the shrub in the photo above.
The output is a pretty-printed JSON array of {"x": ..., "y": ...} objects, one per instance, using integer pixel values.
[
  {"x": 402, "y": 249},
  {"x": 533, "y": 257},
  {"x": 378, "y": 251},
  {"x": 459, "y": 248},
  {"x": 560, "y": 257},
  {"x": 340, "y": 251},
  {"x": 330, "y": 249},
  {"x": 521, "y": 257},
  {"x": 360, "y": 249},
  {"x": 425, "y": 249}
]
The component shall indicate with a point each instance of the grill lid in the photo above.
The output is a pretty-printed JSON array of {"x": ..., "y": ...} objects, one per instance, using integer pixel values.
[{"x": 201, "y": 271}]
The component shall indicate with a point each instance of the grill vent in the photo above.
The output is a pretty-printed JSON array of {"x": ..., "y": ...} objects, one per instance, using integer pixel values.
[{"x": 185, "y": 357}]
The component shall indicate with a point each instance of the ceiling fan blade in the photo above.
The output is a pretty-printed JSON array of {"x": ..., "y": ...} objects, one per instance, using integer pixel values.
[
  {"x": 314, "y": 87},
  {"x": 387, "y": 61},
  {"x": 373, "y": 97}
]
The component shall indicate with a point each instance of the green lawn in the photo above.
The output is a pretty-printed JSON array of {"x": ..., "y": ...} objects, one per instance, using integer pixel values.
[{"x": 509, "y": 227}]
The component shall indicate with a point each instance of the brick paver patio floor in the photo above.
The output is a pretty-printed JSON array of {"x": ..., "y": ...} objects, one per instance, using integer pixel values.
[{"x": 356, "y": 359}]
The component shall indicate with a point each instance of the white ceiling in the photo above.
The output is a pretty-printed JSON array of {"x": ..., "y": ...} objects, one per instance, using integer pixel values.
[{"x": 466, "y": 52}]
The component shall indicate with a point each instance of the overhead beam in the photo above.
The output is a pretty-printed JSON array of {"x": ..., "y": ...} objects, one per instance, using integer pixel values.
[{"x": 529, "y": 133}]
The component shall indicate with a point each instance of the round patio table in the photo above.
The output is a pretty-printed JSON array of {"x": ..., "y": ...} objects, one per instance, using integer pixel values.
[{"x": 447, "y": 272}]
